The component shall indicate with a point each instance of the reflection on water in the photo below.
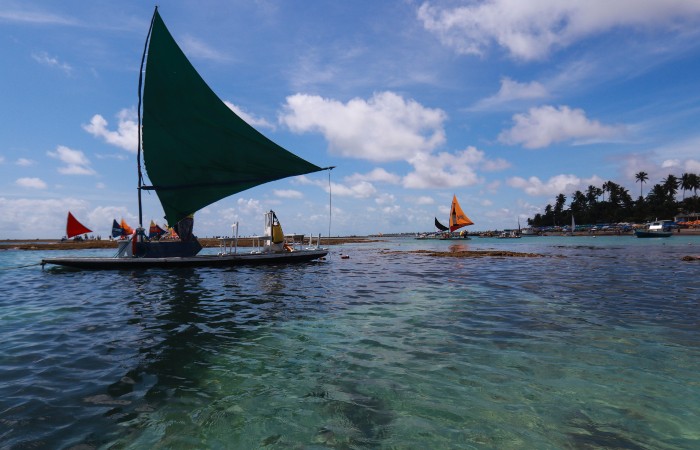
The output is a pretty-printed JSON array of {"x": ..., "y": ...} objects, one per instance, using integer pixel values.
[
  {"x": 588, "y": 349},
  {"x": 454, "y": 248}
]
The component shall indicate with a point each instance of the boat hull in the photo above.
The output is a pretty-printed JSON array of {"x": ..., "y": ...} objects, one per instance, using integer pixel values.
[
  {"x": 652, "y": 234},
  {"x": 229, "y": 260}
]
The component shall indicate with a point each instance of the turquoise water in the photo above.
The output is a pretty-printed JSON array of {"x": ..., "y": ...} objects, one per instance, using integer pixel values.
[{"x": 594, "y": 345}]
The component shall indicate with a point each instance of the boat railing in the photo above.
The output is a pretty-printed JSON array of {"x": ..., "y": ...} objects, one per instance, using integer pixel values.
[
  {"x": 292, "y": 242},
  {"x": 311, "y": 242}
]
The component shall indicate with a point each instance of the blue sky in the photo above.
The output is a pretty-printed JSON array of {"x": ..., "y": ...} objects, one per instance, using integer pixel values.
[{"x": 504, "y": 103}]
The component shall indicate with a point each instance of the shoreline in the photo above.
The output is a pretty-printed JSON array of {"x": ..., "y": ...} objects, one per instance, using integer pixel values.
[
  {"x": 246, "y": 242},
  {"x": 92, "y": 244}
]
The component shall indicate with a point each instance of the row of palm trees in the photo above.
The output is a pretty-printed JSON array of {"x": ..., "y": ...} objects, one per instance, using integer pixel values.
[
  {"x": 592, "y": 206},
  {"x": 687, "y": 182}
]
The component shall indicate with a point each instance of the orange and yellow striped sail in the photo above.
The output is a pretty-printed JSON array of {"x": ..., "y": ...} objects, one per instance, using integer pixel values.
[{"x": 457, "y": 217}]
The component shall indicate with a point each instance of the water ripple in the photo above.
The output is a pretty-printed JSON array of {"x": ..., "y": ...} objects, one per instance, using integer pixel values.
[{"x": 592, "y": 346}]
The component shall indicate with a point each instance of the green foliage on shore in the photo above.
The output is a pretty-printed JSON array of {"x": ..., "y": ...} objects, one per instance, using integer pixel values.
[{"x": 612, "y": 203}]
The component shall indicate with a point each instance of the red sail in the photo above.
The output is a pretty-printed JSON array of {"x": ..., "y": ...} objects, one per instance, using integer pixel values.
[{"x": 74, "y": 228}]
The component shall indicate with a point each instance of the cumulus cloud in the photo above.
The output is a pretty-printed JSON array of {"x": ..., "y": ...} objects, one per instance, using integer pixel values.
[
  {"x": 447, "y": 170},
  {"x": 34, "y": 183},
  {"x": 545, "y": 125},
  {"x": 532, "y": 30},
  {"x": 376, "y": 175},
  {"x": 104, "y": 215},
  {"x": 249, "y": 118},
  {"x": 385, "y": 199},
  {"x": 424, "y": 200},
  {"x": 386, "y": 127},
  {"x": 24, "y": 162},
  {"x": 288, "y": 193},
  {"x": 41, "y": 218},
  {"x": 513, "y": 91},
  {"x": 556, "y": 185},
  {"x": 362, "y": 189},
  {"x": 250, "y": 206},
  {"x": 126, "y": 135},
  {"x": 76, "y": 163}
]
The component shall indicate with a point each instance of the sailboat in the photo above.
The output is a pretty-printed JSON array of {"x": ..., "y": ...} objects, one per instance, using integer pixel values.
[
  {"x": 196, "y": 151},
  {"x": 573, "y": 226},
  {"x": 440, "y": 227},
  {"x": 74, "y": 227},
  {"x": 457, "y": 220}
]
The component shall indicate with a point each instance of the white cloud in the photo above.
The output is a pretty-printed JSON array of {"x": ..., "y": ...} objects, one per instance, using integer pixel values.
[
  {"x": 559, "y": 184},
  {"x": 385, "y": 199},
  {"x": 386, "y": 127},
  {"x": 288, "y": 193},
  {"x": 23, "y": 218},
  {"x": 545, "y": 125},
  {"x": 424, "y": 200},
  {"x": 249, "y": 118},
  {"x": 195, "y": 48},
  {"x": 76, "y": 163},
  {"x": 101, "y": 218},
  {"x": 24, "y": 162},
  {"x": 362, "y": 189},
  {"x": 531, "y": 30},
  {"x": 447, "y": 170},
  {"x": 250, "y": 207},
  {"x": 126, "y": 135},
  {"x": 512, "y": 91},
  {"x": 35, "y": 16},
  {"x": 692, "y": 165},
  {"x": 34, "y": 183},
  {"x": 377, "y": 175},
  {"x": 49, "y": 61}
]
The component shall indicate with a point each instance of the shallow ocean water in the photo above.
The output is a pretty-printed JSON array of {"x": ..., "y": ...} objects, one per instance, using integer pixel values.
[{"x": 594, "y": 345}]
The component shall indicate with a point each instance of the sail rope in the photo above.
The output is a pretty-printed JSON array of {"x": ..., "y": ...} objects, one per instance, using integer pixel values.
[
  {"x": 21, "y": 267},
  {"x": 330, "y": 204}
]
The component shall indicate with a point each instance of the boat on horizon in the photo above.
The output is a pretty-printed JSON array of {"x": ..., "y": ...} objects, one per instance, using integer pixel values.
[
  {"x": 656, "y": 229},
  {"x": 75, "y": 229},
  {"x": 196, "y": 151},
  {"x": 436, "y": 234},
  {"x": 457, "y": 220}
]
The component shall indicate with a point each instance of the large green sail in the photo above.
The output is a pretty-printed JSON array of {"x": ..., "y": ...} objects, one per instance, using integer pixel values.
[{"x": 196, "y": 150}]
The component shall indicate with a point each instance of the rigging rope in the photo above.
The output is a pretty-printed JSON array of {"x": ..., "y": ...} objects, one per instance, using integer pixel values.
[
  {"x": 330, "y": 203},
  {"x": 20, "y": 267}
]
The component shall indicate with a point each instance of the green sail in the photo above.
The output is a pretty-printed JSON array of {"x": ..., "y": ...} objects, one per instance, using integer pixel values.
[{"x": 195, "y": 149}]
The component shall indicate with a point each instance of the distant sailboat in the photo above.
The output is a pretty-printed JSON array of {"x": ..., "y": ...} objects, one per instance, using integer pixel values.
[
  {"x": 155, "y": 231},
  {"x": 457, "y": 220},
  {"x": 440, "y": 226},
  {"x": 75, "y": 228},
  {"x": 457, "y": 217},
  {"x": 573, "y": 226},
  {"x": 117, "y": 230}
]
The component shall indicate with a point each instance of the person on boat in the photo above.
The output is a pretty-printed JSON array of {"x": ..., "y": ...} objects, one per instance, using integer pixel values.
[{"x": 184, "y": 228}]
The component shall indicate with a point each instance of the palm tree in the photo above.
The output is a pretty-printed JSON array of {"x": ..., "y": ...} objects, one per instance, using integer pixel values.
[
  {"x": 606, "y": 188},
  {"x": 694, "y": 183},
  {"x": 671, "y": 186},
  {"x": 686, "y": 183},
  {"x": 642, "y": 178}
]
